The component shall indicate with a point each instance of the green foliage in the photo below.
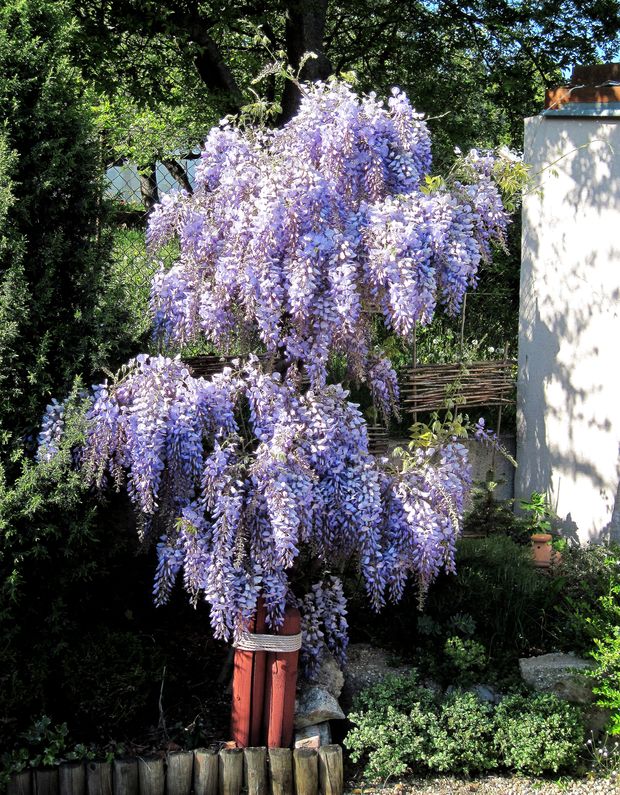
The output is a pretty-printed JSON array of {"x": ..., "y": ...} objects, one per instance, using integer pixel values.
[
  {"x": 56, "y": 551},
  {"x": 586, "y": 574},
  {"x": 463, "y": 735},
  {"x": 43, "y": 744},
  {"x": 52, "y": 259},
  {"x": 464, "y": 659},
  {"x": 392, "y": 726},
  {"x": 539, "y": 510},
  {"x": 497, "y": 585},
  {"x": 489, "y": 516},
  {"x": 400, "y": 726},
  {"x": 606, "y": 652},
  {"x": 539, "y": 733},
  {"x": 109, "y": 677}
]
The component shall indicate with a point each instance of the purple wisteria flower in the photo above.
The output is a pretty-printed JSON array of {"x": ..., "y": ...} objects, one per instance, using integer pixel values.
[
  {"x": 307, "y": 230},
  {"x": 302, "y": 234}
]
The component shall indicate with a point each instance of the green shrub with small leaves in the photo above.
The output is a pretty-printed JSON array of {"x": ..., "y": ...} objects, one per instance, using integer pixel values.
[
  {"x": 538, "y": 734},
  {"x": 400, "y": 726},
  {"x": 464, "y": 659}
]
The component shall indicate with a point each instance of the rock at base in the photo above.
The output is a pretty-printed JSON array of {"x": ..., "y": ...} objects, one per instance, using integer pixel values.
[
  {"x": 315, "y": 705},
  {"x": 561, "y": 674},
  {"x": 313, "y": 736},
  {"x": 329, "y": 676}
]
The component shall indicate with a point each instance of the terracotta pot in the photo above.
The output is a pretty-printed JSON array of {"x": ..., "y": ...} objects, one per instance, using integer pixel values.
[{"x": 542, "y": 549}]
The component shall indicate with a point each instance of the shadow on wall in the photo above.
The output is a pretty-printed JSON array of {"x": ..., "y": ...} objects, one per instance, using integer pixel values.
[{"x": 569, "y": 423}]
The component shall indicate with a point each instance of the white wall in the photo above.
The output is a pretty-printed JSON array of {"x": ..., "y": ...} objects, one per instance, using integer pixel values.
[{"x": 569, "y": 337}]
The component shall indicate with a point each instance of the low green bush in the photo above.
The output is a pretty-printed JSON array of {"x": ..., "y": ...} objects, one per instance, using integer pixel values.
[
  {"x": 463, "y": 735},
  {"x": 586, "y": 575},
  {"x": 463, "y": 659},
  {"x": 537, "y": 734},
  {"x": 401, "y": 726},
  {"x": 497, "y": 585}
]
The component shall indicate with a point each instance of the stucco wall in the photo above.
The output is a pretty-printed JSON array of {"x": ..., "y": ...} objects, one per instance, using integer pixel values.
[{"x": 569, "y": 338}]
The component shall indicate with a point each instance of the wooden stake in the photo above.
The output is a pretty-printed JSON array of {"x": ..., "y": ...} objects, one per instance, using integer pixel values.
[
  {"x": 258, "y": 680},
  {"x": 99, "y": 778},
  {"x": 20, "y": 784},
  {"x": 280, "y": 687},
  {"x": 240, "y": 717},
  {"x": 231, "y": 771},
  {"x": 330, "y": 770},
  {"x": 179, "y": 773},
  {"x": 151, "y": 776},
  {"x": 306, "y": 771},
  {"x": 256, "y": 770},
  {"x": 281, "y": 771},
  {"x": 72, "y": 778},
  {"x": 125, "y": 777},
  {"x": 206, "y": 772},
  {"x": 46, "y": 781}
]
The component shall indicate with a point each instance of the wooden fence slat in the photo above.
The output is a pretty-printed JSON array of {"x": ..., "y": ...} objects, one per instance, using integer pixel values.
[
  {"x": 46, "y": 781},
  {"x": 281, "y": 771},
  {"x": 330, "y": 770},
  {"x": 151, "y": 776},
  {"x": 99, "y": 778},
  {"x": 206, "y": 772},
  {"x": 179, "y": 773},
  {"x": 20, "y": 783},
  {"x": 125, "y": 778},
  {"x": 231, "y": 771},
  {"x": 255, "y": 768},
  {"x": 72, "y": 778},
  {"x": 306, "y": 771}
]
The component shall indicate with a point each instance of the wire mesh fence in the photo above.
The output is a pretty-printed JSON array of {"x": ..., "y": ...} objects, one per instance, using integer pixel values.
[{"x": 130, "y": 195}]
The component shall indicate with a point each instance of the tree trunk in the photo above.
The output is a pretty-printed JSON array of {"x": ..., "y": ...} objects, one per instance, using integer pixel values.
[
  {"x": 214, "y": 71},
  {"x": 178, "y": 173},
  {"x": 148, "y": 187},
  {"x": 305, "y": 29}
]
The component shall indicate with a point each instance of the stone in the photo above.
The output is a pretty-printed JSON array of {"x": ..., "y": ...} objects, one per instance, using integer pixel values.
[
  {"x": 486, "y": 693},
  {"x": 315, "y": 705},
  {"x": 313, "y": 736},
  {"x": 562, "y": 674},
  {"x": 367, "y": 665},
  {"x": 329, "y": 676}
]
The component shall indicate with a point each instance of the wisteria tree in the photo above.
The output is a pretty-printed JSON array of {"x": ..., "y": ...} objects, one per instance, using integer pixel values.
[{"x": 297, "y": 239}]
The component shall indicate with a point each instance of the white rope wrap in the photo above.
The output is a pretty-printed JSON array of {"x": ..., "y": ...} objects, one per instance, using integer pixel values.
[{"x": 279, "y": 643}]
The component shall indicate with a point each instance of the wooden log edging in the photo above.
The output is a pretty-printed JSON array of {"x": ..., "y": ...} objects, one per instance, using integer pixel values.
[{"x": 229, "y": 771}]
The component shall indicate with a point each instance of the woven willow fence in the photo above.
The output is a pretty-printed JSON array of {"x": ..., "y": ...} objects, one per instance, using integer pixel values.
[{"x": 435, "y": 386}]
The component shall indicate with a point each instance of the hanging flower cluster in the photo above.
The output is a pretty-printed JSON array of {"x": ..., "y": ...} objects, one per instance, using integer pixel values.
[
  {"x": 239, "y": 475},
  {"x": 306, "y": 231}
]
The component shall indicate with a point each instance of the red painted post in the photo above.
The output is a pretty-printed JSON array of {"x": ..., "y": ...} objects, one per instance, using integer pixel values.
[
  {"x": 242, "y": 696},
  {"x": 280, "y": 687},
  {"x": 258, "y": 680},
  {"x": 290, "y": 691}
]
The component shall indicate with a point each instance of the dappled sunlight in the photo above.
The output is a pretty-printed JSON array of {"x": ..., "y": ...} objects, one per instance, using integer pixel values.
[{"x": 569, "y": 427}]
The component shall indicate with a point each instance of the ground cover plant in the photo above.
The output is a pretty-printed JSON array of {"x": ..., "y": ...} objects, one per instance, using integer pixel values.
[{"x": 402, "y": 726}]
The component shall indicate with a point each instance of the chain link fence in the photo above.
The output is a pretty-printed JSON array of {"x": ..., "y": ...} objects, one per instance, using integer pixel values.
[{"x": 130, "y": 195}]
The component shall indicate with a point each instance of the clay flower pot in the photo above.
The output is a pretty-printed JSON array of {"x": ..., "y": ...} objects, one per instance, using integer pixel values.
[{"x": 542, "y": 549}]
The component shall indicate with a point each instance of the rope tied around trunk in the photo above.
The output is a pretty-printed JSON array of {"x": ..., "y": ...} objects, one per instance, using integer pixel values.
[{"x": 250, "y": 641}]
